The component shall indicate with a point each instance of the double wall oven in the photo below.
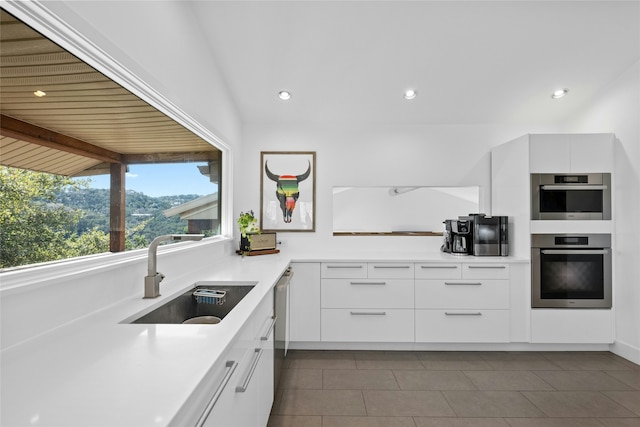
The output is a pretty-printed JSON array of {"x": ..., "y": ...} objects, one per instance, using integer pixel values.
[{"x": 571, "y": 271}]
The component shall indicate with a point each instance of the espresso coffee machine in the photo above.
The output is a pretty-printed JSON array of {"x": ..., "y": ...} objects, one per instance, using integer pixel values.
[
  {"x": 458, "y": 237},
  {"x": 490, "y": 234}
]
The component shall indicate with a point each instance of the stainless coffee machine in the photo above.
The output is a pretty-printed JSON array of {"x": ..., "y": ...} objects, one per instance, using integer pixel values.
[{"x": 458, "y": 237}]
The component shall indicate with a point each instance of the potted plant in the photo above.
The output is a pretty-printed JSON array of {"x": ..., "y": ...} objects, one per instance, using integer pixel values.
[{"x": 248, "y": 224}]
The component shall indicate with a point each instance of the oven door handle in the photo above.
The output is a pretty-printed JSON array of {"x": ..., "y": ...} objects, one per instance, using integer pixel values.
[
  {"x": 573, "y": 187},
  {"x": 575, "y": 251}
]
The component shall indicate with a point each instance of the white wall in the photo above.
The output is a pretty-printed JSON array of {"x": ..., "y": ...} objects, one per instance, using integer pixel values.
[
  {"x": 444, "y": 155},
  {"x": 617, "y": 110}
]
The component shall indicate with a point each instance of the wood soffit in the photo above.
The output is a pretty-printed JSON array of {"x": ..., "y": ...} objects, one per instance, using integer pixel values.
[{"x": 85, "y": 122}]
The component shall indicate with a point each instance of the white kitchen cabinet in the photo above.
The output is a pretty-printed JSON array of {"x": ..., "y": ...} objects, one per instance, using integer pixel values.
[
  {"x": 438, "y": 270},
  {"x": 367, "y": 325},
  {"x": 572, "y": 326},
  {"x": 304, "y": 302},
  {"x": 468, "y": 326},
  {"x": 367, "y": 302},
  {"x": 549, "y": 153},
  {"x": 344, "y": 270},
  {"x": 367, "y": 293},
  {"x": 465, "y": 304},
  {"x": 247, "y": 378},
  {"x": 571, "y": 153}
]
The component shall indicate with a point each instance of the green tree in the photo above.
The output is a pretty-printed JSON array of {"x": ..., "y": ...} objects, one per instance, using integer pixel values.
[{"x": 33, "y": 227}]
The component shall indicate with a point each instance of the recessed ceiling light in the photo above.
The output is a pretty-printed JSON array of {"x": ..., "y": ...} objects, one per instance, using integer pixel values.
[
  {"x": 410, "y": 94},
  {"x": 284, "y": 95},
  {"x": 39, "y": 93},
  {"x": 559, "y": 93}
]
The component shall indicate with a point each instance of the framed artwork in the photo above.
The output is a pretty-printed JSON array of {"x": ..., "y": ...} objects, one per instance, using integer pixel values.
[{"x": 288, "y": 190}]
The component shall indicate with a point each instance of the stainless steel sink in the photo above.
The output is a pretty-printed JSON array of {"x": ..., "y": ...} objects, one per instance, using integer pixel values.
[{"x": 187, "y": 306}]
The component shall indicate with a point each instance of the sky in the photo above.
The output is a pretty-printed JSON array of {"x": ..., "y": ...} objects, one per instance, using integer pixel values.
[{"x": 162, "y": 180}]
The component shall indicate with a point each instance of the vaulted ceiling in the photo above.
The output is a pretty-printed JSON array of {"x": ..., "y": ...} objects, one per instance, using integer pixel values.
[{"x": 472, "y": 62}]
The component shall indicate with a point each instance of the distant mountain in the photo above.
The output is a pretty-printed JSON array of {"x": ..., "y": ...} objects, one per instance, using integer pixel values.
[{"x": 94, "y": 203}]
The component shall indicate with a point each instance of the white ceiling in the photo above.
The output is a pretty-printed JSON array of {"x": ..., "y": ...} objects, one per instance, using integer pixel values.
[{"x": 471, "y": 62}]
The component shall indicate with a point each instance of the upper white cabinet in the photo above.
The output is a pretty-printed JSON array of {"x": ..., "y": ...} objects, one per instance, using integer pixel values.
[{"x": 569, "y": 153}]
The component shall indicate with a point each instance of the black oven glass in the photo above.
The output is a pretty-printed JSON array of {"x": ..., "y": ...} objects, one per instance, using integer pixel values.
[
  {"x": 571, "y": 200},
  {"x": 571, "y": 276}
]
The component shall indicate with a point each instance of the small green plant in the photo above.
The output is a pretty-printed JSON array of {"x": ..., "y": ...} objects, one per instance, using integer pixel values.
[{"x": 248, "y": 223}]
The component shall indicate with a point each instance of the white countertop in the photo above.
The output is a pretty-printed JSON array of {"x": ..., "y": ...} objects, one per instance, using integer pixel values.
[{"x": 97, "y": 371}]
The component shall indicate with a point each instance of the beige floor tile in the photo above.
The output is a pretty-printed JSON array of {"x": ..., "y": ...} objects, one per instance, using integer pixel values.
[
  {"x": 620, "y": 422},
  {"x": 587, "y": 362},
  {"x": 323, "y": 363},
  {"x": 507, "y": 380},
  {"x": 575, "y": 404},
  {"x": 321, "y": 402},
  {"x": 320, "y": 354},
  {"x": 456, "y": 365},
  {"x": 452, "y": 355},
  {"x": 460, "y": 422},
  {"x": 359, "y": 379},
  {"x": 294, "y": 421},
  {"x": 523, "y": 365},
  {"x": 406, "y": 403},
  {"x": 491, "y": 404},
  {"x": 301, "y": 378},
  {"x": 433, "y": 380},
  {"x": 367, "y": 422},
  {"x": 389, "y": 364},
  {"x": 628, "y": 399},
  {"x": 512, "y": 355},
  {"x": 553, "y": 422},
  {"x": 386, "y": 355},
  {"x": 582, "y": 380},
  {"x": 630, "y": 378}
]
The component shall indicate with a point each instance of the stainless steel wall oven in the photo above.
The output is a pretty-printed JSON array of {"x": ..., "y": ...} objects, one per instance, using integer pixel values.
[
  {"x": 571, "y": 196},
  {"x": 571, "y": 271}
]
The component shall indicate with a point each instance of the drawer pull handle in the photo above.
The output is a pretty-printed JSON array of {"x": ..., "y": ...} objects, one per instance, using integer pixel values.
[
  {"x": 463, "y": 283},
  {"x": 488, "y": 266},
  {"x": 344, "y": 266},
  {"x": 391, "y": 266},
  {"x": 438, "y": 266},
  {"x": 230, "y": 366},
  {"x": 447, "y": 313},
  {"x": 266, "y": 336},
  {"x": 368, "y": 283},
  {"x": 245, "y": 384},
  {"x": 368, "y": 313}
]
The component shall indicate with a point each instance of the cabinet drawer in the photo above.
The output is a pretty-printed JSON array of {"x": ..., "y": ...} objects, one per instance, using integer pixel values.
[
  {"x": 390, "y": 270},
  {"x": 433, "y": 270},
  {"x": 485, "y": 271},
  {"x": 367, "y": 293},
  {"x": 344, "y": 270},
  {"x": 462, "y": 294},
  {"x": 369, "y": 325},
  {"x": 468, "y": 326}
]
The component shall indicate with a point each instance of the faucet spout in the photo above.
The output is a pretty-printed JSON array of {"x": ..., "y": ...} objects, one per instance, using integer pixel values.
[{"x": 153, "y": 278}]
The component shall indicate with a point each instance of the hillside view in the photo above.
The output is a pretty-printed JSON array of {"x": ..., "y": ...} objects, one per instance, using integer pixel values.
[{"x": 140, "y": 208}]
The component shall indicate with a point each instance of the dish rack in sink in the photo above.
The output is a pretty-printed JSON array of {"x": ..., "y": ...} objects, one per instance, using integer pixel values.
[{"x": 210, "y": 296}]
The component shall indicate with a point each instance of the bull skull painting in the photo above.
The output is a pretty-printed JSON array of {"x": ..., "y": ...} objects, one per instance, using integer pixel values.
[{"x": 287, "y": 190}]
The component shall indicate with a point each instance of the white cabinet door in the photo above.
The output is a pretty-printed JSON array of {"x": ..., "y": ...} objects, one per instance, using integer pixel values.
[
  {"x": 592, "y": 153},
  {"x": 550, "y": 154},
  {"x": 438, "y": 270},
  {"x": 464, "y": 326},
  {"x": 344, "y": 270},
  {"x": 304, "y": 299},
  {"x": 367, "y": 293},
  {"x": 485, "y": 270},
  {"x": 462, "y": 294},
  {"x": 367, "y": 325},
  {"x": 264, "y": 369},
  {"x": 572, "y": 326},
  {"x": 390, "y": 270}
]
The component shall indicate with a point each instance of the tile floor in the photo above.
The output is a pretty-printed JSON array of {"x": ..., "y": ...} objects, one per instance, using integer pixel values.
[{"x": 456, "y": 389}]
